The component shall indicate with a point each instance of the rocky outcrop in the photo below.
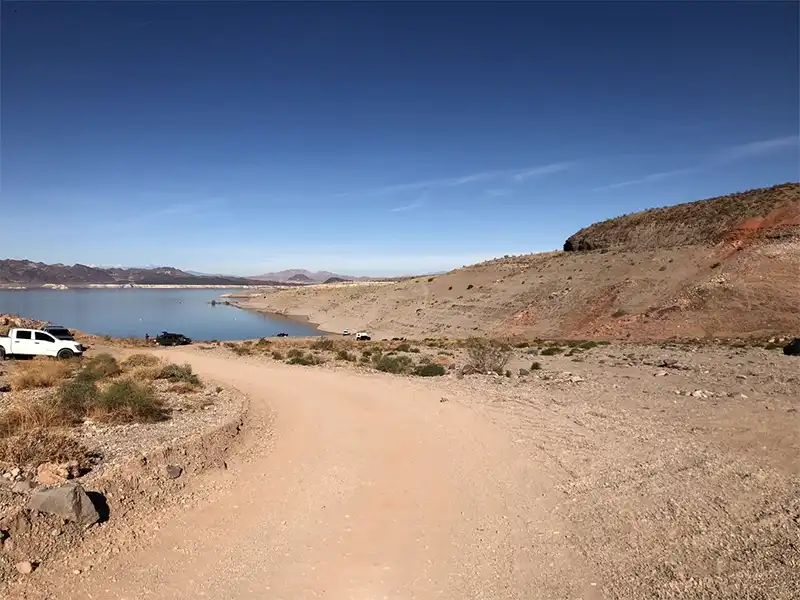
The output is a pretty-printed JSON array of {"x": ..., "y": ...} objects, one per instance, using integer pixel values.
[
  {"x": 67, "y": 501},
  {"x": 765, "y": 213}
]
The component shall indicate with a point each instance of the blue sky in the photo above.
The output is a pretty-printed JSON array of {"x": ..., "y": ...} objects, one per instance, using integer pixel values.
[{"x": 377, "y": 138}]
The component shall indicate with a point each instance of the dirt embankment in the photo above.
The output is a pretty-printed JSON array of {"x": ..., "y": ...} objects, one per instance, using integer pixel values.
[{"x": 745, "y": 284}]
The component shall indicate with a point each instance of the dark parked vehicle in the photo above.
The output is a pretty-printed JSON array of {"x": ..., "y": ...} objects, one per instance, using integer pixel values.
[
  {"x": 283, "y": 335},
  {"x": 166, "y": 338},
  {"x": 59, "y": 332},
  {"x": 792, "y": 348}
]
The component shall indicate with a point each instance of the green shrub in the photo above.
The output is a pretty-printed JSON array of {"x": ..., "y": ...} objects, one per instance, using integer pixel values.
[
  {"x": 179, "y": 373},
  {"x": 404, "y": 347},
  {"x": 588, "y": 345},
  {"x": 304, "y": 359},
  {"x": 429, "y": 370},
  {"x": 521, "y": 345},
  {"x": 345, "y": 355},
  {"x": 619, "y": 313},
  {"x": 76, "y": 397},
  {"x": 126, "y": 401},
  {"x": 393, "y": 364},
  {"x": 551, "y": 351}
]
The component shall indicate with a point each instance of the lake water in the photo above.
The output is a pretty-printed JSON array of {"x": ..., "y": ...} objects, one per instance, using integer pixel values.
[{"x": 134, "y": 312}]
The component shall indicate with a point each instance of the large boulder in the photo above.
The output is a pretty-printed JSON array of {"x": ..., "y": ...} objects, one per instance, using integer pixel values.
[
  {"x": 68, "y": 501},
  {"x": 792, "y": 348}
]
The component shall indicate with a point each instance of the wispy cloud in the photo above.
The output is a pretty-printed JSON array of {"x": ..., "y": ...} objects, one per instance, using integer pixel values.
[
  {"x": 726, "y": 156},
  {"x": 418, "y": 203},
  {"x": 512, "y": 175},
  {"x": 758, "y": 148},
  {"x": 647, "y": 179}
]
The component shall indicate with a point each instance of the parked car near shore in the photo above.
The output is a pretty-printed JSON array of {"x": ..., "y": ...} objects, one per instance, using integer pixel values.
[
  {"x": 35, "y": 342},
  {"x": 165, "y": 338}
]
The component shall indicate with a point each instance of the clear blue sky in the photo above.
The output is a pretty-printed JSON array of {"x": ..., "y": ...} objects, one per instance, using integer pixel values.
[{"x": 242, "y": 137}]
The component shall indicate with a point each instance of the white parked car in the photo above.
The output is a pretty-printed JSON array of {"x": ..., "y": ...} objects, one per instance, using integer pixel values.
[
  {"x": 33, "y": 342},
  {"x": 346, "y": 332},
  {"x": 362, "y": 336}
]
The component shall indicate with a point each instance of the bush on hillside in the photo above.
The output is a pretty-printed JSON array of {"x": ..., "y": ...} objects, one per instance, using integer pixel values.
[
  {"x": 485, "y": 356},
  {"x": 128, "y": 402},
  {"x": 179, "y": 374}
]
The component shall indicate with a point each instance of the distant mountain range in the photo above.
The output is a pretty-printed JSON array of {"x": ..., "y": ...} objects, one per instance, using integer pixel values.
[
  {"x": 304, "y": 276},
  {"x": 26, "y": 272}
]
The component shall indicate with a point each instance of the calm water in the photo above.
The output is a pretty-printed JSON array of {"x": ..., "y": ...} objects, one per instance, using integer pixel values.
[{"x": 123, "y": 313}]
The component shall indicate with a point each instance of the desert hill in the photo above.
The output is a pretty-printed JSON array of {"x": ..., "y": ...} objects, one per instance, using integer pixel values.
[
  {"x": 300, "y": 275},
  {"x": 26, "y": 272},
  {"x": 732, "y": 269}
]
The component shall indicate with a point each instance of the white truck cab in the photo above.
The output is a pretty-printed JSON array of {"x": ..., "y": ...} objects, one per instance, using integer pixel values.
[{"x": 33, "y": 342}]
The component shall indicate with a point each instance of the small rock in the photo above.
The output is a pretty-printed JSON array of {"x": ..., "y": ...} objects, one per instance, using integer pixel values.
[
  {"x": 68, "y": 501},
  {"x": 661, "y": 374},
  {"x": 443, "y": 399},
  {"x": 742, "y": 396},
  {"x": 174, "y": 471},
  {"x": 51, "y": 474},
  {"x": 698, "y": 394},
  {"x": 23, "y": 487},
  {"x": 15, "y": 472},
  {"x": 25, "y": 567},
  {"x": 524, "y": 372},
  {"x": 76, "y": 571},
  {"x": 741, "y": 376},
  {"x": 576, "y": 379}
]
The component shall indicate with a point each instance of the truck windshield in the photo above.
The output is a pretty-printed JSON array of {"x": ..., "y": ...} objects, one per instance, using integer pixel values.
[{"x": 59, "y": 333}]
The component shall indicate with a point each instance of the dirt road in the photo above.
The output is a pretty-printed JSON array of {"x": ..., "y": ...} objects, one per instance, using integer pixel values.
[{"x": 369, "y": 488}]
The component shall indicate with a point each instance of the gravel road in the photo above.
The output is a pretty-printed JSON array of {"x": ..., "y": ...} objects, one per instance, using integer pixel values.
[{"x": 369, "y": 488}]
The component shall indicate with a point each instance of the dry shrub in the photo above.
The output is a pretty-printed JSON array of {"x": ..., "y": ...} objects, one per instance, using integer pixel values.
[
  {"x": 29, "y": 416},
  {"x": 76, "y": 397},
  {"x": 277, "y": 355},
  {"x": 100, "y": 367},
  {"x": 126, "y": 401},
  {"x": 140, "y": 360},
  {"x": 179, "y": 374},
  {"x": 393, "y": 364},
  {"x": 486, "y": 356},
  {"x": 183, "y": 388},
  {"x": 429, "y": 370},
  {"x": 41, "y": 373},
  {"x": 323, "y": 344},
  {"x": 35, "y": 446},
  {"x": 145, "y": 373},
  {"x": 345, "y": 355}
]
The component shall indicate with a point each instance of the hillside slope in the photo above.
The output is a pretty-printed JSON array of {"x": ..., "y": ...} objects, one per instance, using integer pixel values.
[{"x": 740, "y": 286}]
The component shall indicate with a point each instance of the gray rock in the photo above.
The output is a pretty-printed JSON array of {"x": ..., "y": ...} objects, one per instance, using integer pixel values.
[
  {"x": 174, "y": 471},
  {"x": 68, "y": 501},
  {"x": 23, "y": 487},
  {"x": 524, "y": 372}
]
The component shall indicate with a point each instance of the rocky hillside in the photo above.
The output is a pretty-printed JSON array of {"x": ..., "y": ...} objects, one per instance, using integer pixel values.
[
  {"x": 26, "y": 272},
  {"x": 767, "y": 212},
  {"x": 745, "y": 284}
]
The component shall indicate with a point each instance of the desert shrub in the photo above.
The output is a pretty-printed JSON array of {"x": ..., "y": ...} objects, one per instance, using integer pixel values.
[
  {"x": 41, "y": 373},
  {"x": 414, "y": 350},
  {"x": 75, "y": 397},
  {"x": 126, "y": 401},
  {"x": 450, "y": 288},
  {"x": 404, "y": 347},
  {"x": 179, "y": 374},
  {"x": 716, "y": 265},
  {"x": 470, "y": 286},
  {"x": 536, "y": 366},
  {"x": 323, "y": 344},
  {"x": 521, "y": 345},
  {"x": 145, "y": 373},
  {"x": 101, "y": 366},
  {"x": 588, "y": 345},
  {"x": 772, "y": 346},
  {"x": 241, "y": 350},
  {"x": 393, "y": 364},
  {"x": 277, "y": 355},
  {"x": 619, "y": 313},
  {"x": 429, "y": 370},
  {"x": 263, "y": 342},
  {"x": 551, "y": 351},
  {"x": 35, "y": 446},
  {"x": 306, "y": 360},
  {"x": 532, "y": 351},
  {"x": 294, "y": 353},
  {"x": 140, "y": 360},
  {"x": 486, "y": 356},
  {"x": 30, "y": 415},
  {"x": 183, "y": 388},
  {"x": 345, "y": 355},
  {"x": 366, "y": 353},
  {"x": 425, "y": 360}
]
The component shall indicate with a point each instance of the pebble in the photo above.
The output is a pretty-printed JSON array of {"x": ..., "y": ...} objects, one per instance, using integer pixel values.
[{"x": 25, "y": 567}]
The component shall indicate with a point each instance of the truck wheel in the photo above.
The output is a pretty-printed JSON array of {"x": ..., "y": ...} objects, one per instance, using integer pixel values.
[
  {"x": 2, "y": 353},
  {"x": 65, "y": 353}
]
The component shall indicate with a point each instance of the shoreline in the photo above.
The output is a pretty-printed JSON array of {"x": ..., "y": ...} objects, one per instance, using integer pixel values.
[
  {"x": 125, "y": 286},
  {"x": 301, "y": 319}
]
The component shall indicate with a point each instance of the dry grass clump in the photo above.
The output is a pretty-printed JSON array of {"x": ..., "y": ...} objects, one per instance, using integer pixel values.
[
  {"x": 485, "y": 356},
  {"x": 100, "y": 367},
  {"x": 41, "y": 373},
  {"x": 323, "y": 343},
  {"x": 179, "y": 374},
  {"x": 140, "y": 360},
  {"x": 38, "y": 445}
]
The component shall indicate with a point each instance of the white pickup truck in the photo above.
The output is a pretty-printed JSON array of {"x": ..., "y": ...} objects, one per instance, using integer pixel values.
[{"x": 33, "y": 342}]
